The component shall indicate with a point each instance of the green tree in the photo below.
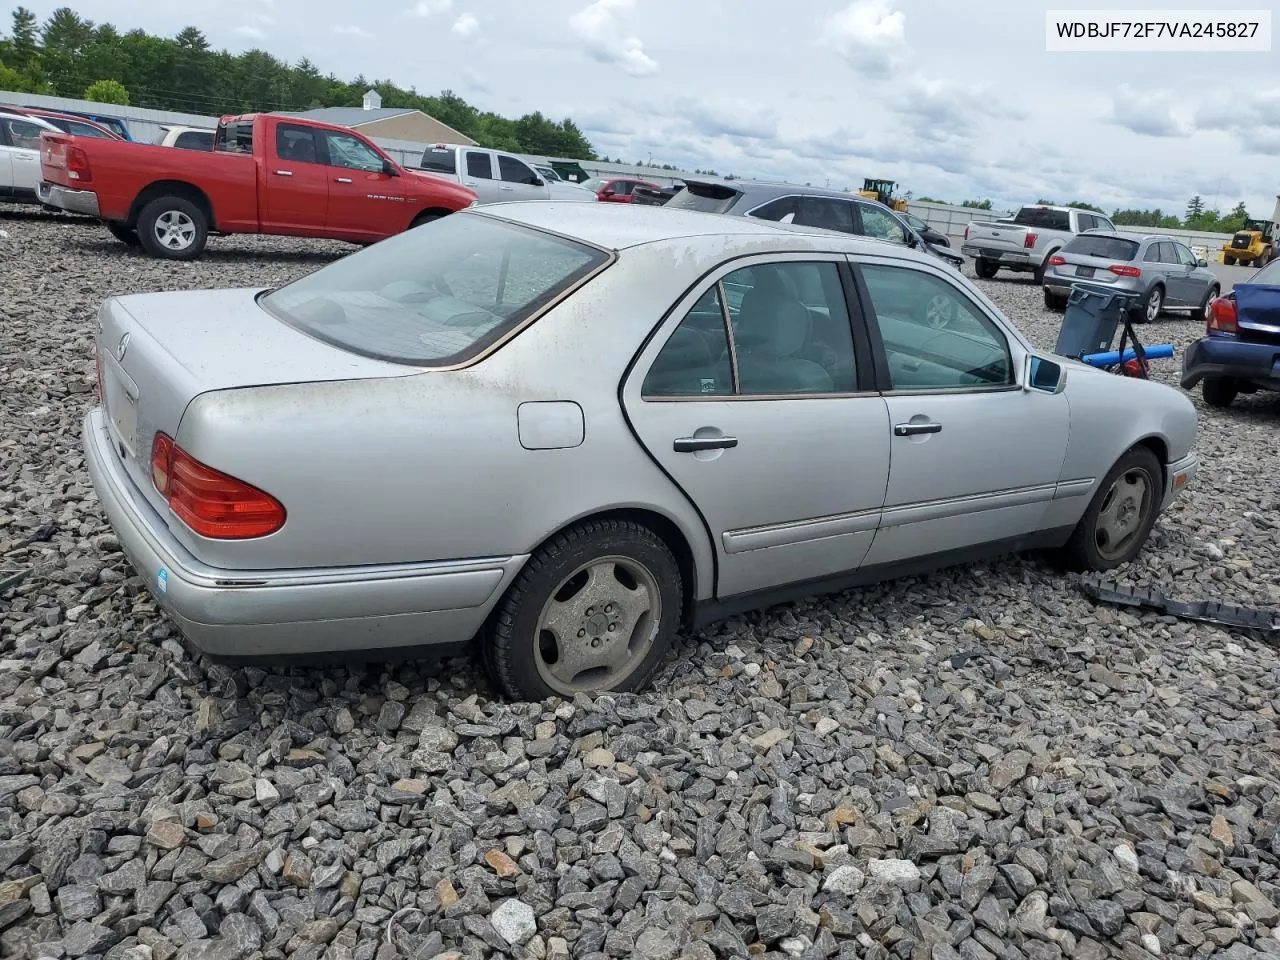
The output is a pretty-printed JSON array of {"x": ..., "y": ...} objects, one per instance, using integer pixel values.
[
  {"x": 1195, "y": 207},
  {"x": 24, "y": 45},
  {"x": 107, "y": 91},
  {"x": 1234, "y": 220},
  {"x": 1081, "y": 205},
  {"x": 67, "y": 31},
  {"x": 977, "y": 204}
]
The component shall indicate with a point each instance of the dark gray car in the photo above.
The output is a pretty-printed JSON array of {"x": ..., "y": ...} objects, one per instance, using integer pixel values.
[
  {"x": 1161, "y": 270},
  {"x": 806, "y": 207}
]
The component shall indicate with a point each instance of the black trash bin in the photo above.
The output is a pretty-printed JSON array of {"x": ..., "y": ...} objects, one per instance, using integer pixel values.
[{"x": 1089, "y": 324}]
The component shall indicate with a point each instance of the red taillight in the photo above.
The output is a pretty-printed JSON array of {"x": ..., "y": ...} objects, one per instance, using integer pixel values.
[
  {"x": 966, "y": 233},
  {"x": 1222, "y": 316},
  {"x": 210, "y": 502},
  {"x": 78, "y": 165},
  {"x": 1057, "y": 260},
  {"x": 1124, "y": 270},
  {"x": 1029, "y": 240}
]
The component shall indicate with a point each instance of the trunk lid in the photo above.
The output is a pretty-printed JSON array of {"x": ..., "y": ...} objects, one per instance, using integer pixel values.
[
  {"x": 158, "y": 351},
  {"x": 1258, "y": 312}
]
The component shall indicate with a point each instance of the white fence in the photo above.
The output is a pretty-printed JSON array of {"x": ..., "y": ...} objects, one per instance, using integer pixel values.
[{"x": 948, "y": 219}]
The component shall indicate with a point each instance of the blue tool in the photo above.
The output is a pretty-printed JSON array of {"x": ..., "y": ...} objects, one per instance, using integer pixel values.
[{"x": 1154, "y": 352}]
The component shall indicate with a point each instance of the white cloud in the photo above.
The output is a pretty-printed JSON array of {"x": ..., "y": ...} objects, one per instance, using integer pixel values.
[
  {"x": 602, "y": 35},
  {"x": 350, "y": 30},
  {"x": 466, "y": 25},
  {"x": 252, "y": 32},
  {"x": 870, "y": 34},
  {"x": 1150, "y": 114},
  {"x": 427, "y": 8}
]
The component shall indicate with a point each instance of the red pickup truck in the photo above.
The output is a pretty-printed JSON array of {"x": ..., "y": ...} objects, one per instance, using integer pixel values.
[{"x": 271, "y": 174}]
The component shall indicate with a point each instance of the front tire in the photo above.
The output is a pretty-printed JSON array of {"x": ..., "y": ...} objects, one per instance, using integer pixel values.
[
  {"x": 173, "y": 228},
  {"x": 594, "y": 611},
  {"x": 986, "y": 269},
  {"x": 1119, "y": 518},
  {"x": 1229, "y": 261},
  {"x": 1219, "y": 391}
]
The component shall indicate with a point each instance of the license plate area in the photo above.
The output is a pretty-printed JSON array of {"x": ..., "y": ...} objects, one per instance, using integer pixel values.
[
  {"x": 120, "y": 396},
  {"x": 1084, "y": 271}
]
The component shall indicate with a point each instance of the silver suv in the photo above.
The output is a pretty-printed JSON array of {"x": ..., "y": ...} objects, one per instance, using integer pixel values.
[
  {"x": 1160, "y": 270},
  {"x": 807, "y": 207}
]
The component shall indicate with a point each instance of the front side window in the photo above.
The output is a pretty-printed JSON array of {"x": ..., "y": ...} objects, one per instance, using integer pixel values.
[
  {"x": 791, "y": 336},
  {"x": 513, "y": 171},
  {"x": 879, "y": 225},
  {"x": 352, "y": 153},
  {"x": 935, "y": 337},
  {"x": 1185, "y": 256},
  {"x": 438, "y": 295}
]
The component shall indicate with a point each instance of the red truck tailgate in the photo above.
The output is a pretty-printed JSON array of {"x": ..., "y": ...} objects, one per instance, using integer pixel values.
[{"x": 53, "y": 161}]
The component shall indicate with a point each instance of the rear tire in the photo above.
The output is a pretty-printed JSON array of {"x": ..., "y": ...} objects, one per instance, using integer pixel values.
[
  {"x": 632, "y": 582},
  {"x": 986, "y": 269},
  {"x": 1148, "y": 311},
  {"x": 1219, "y": 391},
  {"x": 173, "y": 228},
  {"x": 126, "y": 235},
  {"x": 1119, "y": 518},
  {"x": 1055, "y": 301}
]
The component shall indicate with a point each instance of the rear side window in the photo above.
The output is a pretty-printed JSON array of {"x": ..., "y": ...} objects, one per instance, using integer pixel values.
[
  {"x": 1112, "y": 248},
  {"x": 440, "y": 160},
  {"x": 479, "y": 166},
  {"x": 297, "y": 144},
  {"x": 707, "y": 197},
  {"x": 1044, "y": 219},
  {"x": 24, "y": 134},
  {"x": 437, "y": 295}
]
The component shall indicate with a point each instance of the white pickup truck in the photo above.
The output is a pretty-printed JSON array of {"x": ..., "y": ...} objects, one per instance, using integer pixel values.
[
  {"x": 1025, "y": 242},
  {"x": 496, "y": 177}
]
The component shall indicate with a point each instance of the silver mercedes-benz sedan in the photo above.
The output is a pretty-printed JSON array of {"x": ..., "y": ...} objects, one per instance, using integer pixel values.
[{"x": 573, "y": 430}]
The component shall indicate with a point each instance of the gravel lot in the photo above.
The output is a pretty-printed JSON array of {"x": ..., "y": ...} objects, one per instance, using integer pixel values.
[{"x": 822, "y": 780}]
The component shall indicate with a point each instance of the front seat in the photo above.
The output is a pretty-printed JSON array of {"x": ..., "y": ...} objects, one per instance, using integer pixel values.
[{"x": 772, "y": 331}]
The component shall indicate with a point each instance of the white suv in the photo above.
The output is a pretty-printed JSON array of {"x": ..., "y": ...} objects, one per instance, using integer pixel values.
[{"x": 20, "y": 156}]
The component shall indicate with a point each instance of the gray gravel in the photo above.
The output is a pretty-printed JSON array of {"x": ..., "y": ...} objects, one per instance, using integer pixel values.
[{"x": 822, "y": 780}]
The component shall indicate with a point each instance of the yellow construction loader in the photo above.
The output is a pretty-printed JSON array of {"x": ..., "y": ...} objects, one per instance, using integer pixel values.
[
  {"x": 882, "y": 190},
  {"x": 1256, "y": 244}
]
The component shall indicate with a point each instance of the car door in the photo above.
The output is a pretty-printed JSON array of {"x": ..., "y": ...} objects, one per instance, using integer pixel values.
[
  {"x": 1190, "y": 285},
  {"x": 1173, "y": 275},
  {"x": 754, "y": 397},
  {"x": 295, "y": 191},
  {"x": 6, "y": 161},
  {"x": 975, "y": 457},
  {"x": 364, "y": 200},
  {"x": 518, "y": 181},
  {"x": 24, "y": 156},
  {"x": 479, "y": 176}
]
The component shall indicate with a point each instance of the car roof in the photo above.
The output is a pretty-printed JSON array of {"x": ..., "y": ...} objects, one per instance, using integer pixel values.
[
  {"x": 1129, "y": 235},
  {"x": 30, "y": 118},
  {"x": 618, "y": 226}
]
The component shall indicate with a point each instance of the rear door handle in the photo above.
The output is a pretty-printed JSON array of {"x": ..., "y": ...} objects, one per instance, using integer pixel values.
[
  {"x": 506, "y": 188},
  {"x": 284, "y": 173},
  {"x": 694, "y": 444},
  {"x": 911, "y": 429},
  {"x": 341, "y": 179}
]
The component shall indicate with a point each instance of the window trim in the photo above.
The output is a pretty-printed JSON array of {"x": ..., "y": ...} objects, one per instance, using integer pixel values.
[
  {"x": 1015, "y": 348},
  {"x": 648, "y": 352}
]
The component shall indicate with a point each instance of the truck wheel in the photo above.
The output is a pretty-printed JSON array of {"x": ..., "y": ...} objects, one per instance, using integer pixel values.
[
  {"x": 986, "y": 269},
  {"x": 173, "y": 228},
  {"x": 1218, "y": 391},
  {"x": 427, "y": 216},
  {"x": 126, "y": 235},
  {"x": 1054, "y": 301},
  {"x": 1038, "y": 272},
  {"x": 1229, "y": 261}
]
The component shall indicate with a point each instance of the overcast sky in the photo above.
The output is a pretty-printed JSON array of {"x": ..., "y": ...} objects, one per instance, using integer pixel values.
[{"x": 952, "y": 100}]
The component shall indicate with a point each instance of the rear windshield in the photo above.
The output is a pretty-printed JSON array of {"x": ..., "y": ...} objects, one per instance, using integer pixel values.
[
  {"x": 440, "y": 160},
  {"x": 707, "y": 197},
  {"x": 1268, "y": 274},
  {"x": 1112, "y": 248},
  {"x": 1045, "y": 219},
  {"x": 435, "y": 295},
  {"x": 234, "y": 138}
]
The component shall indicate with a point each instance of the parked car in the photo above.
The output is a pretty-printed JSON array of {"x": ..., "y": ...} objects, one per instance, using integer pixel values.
[
  {"x": 1161, "y": 270},
  {"x": 266, "y": 174},
  {"x": 114, "y": 124},
  {"x": 1026, "y": 242},
  {"x": 20, "y": 156},
  {"x": 185, "y": 138},
  {"x": 805, "y": 206},
  {"x": 921, "y": 227},
  {"x": 67, "y": 123},
  {"x": 1240, "y": 351},
  {"x": 655, "y": 197},
  {"x": 617, "y": 189},
  {"x": 495, "y": 176},
  {"x": 573, "y": 490}
]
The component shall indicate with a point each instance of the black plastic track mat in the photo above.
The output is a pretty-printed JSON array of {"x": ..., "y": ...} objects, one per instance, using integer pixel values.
[{"x": 1204, "y": 611}]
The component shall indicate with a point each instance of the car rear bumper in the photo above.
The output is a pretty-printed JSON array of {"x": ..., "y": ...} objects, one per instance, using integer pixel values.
[
  {"x": 287, "y": 613},
  {"x": 1058, "y": 283},
  {"x": 64, "y": 198},
  {"x": 1255, "y": 363},
  {"x": 1006, "y": 258}
]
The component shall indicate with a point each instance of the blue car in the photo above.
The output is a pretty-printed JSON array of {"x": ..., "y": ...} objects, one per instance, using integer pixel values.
[{"x": 1240, "y": 351}]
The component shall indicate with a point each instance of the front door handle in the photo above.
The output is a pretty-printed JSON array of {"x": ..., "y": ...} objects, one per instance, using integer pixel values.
[
  {"x": 341, "y": 179},
  {"x": 911, "y": 429},
  {"x": 695, "y": 444},
  {"x": 283, "y": 173}
]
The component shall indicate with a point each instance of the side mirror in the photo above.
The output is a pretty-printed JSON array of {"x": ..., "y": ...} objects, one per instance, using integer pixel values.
[
  {"x": 1202, "y": 262},
  {"x": 913, "y": 241},
  {"x": 389, "y": 169},
  {"x": 539, "y": 182},
  {"x": 1044, "y": 375}
]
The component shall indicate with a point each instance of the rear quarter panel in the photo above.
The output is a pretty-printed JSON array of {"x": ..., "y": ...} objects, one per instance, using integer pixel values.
[{"x": 431, "y": 467}]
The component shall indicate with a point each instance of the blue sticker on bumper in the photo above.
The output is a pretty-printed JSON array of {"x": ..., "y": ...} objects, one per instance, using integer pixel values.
[{"x": 162, "y": 580}]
